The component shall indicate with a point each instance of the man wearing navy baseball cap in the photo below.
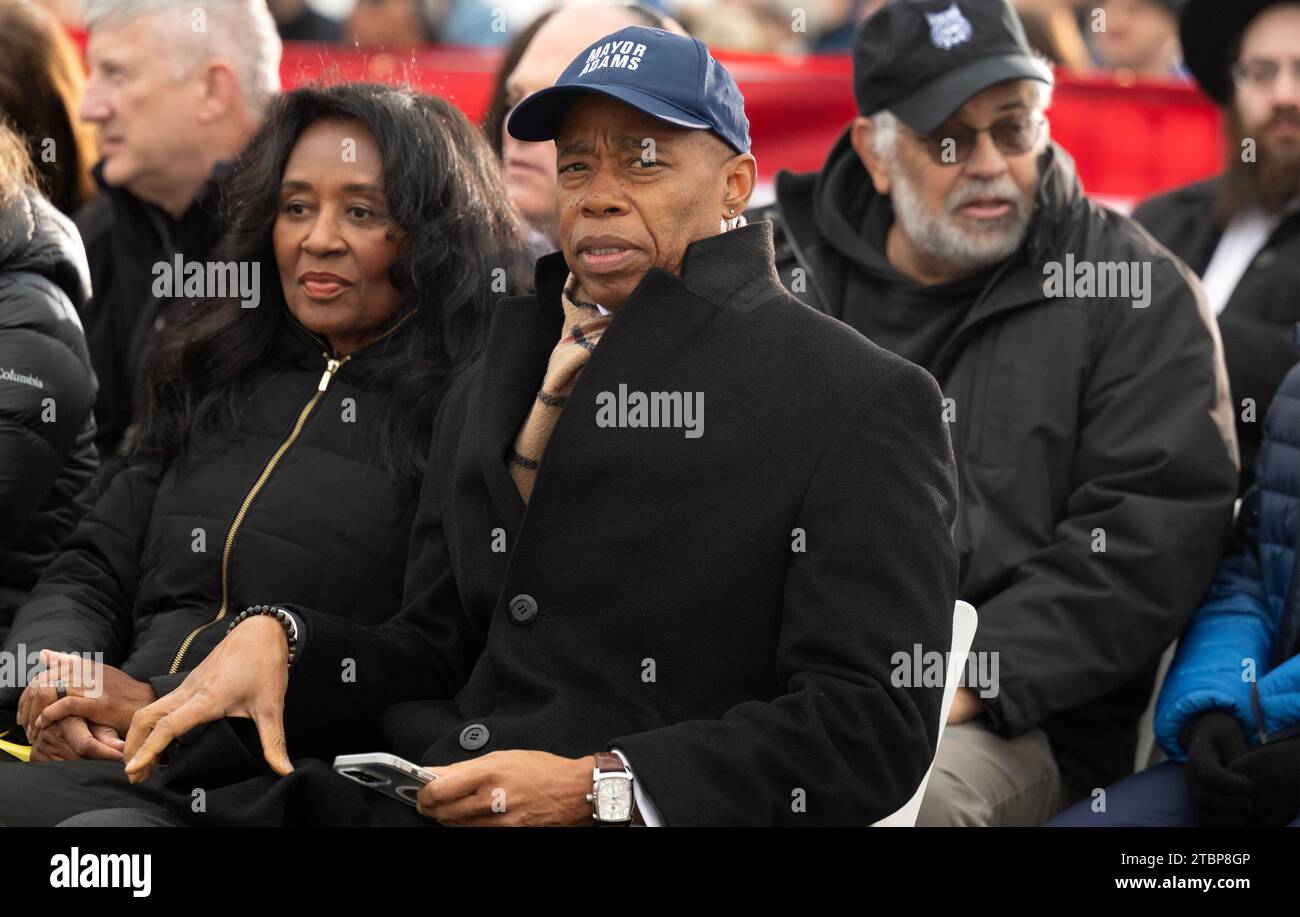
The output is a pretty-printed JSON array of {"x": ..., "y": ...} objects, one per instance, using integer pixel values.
[
  {"x": 682, "y": 622},
  {"x": 1084, "y": 387},
  {"x": 681, "y": 117}
]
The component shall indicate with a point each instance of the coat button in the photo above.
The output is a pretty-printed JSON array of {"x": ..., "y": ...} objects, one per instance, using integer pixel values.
[
  {"x": 523, "y": 608},
  {"x": 473, "y": 737},
  {"x": 1265, "y": 260}
]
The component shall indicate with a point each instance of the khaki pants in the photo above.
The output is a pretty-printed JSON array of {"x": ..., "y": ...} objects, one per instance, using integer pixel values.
[{"x": 981, "y": 779}]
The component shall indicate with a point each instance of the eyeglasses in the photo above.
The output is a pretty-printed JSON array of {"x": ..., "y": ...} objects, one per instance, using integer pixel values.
[
  {"x": 1012, "y": 136},
  {"x": 1261, "y": 73}
]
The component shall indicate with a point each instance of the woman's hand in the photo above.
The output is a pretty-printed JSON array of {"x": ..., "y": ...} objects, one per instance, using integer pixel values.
[
  {"x": 67, "y": 669},
  {"x": 247, "y": 675},
  {"x": 71, "y": 738},
  {"x": 103, "y": 695}
]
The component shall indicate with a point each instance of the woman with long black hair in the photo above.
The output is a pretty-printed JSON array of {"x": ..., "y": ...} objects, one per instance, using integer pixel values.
[{"x": 280, "y": 443}]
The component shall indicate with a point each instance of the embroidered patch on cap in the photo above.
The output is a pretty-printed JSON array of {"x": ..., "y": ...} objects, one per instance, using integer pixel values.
[{"x": 949, "y": 28}]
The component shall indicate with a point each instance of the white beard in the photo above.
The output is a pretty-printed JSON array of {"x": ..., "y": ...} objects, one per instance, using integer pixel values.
[{"x": 942, "y": 243}]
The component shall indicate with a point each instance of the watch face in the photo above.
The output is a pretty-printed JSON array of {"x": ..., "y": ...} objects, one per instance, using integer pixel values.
[{"x": 614, "y": 799}]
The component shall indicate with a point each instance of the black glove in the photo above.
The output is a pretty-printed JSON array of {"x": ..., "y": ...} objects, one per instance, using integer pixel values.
[
  {"x": 1221, "y": 797},
  {"x": 1274, "y": 774}
]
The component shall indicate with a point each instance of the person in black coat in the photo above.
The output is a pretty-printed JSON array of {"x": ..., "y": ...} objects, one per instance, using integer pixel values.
[
  {"x": 281, "y": 447},
  {"x": 1240, "y": 231},
  {"x": 708, "y": 602},
  {"x": 123, "y": 320},
  {"x": 1090, "y": 417},
  {"x": 173, "y": 106},
  {"x": 47, "y": 433}
]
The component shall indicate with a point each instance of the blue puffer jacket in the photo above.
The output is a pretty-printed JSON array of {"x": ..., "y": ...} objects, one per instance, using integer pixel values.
[{"x": 1240, "y": 653}]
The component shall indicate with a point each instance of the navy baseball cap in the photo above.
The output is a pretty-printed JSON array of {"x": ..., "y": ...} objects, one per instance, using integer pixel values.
[{"x": 665, "y": 75}]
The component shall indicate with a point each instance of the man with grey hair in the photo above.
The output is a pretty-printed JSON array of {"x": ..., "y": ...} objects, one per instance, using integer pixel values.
[
  {"x": 1083, "y": 383},
  {"x": 176, "y": 89}
]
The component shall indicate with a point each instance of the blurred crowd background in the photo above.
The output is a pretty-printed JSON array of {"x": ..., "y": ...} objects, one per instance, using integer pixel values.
[
  {"x": 1131, "y": 38},
  {"x": 1118, "y": 63}
]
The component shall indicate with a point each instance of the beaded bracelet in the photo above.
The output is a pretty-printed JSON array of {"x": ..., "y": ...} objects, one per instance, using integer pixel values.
[{"x": 280, "y": 615}]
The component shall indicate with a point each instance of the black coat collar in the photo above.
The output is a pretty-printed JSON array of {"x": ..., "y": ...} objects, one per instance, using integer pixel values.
[
  {"x": 201, "y": 221},
  {"x": 732, "y": 270}
]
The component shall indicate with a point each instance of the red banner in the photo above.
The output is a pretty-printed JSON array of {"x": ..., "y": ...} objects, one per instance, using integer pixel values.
[{"x": 1129, "y": 141}]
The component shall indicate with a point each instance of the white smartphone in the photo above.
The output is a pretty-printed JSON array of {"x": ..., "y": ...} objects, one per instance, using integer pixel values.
[{"x": 385, "y": 773}]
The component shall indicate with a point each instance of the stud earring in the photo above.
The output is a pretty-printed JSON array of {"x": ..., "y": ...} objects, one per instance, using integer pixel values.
[{"x": 734, "y": 223}]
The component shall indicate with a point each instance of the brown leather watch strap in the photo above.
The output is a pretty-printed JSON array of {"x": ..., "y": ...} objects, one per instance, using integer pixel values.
[{"x": 609, "y": 763}]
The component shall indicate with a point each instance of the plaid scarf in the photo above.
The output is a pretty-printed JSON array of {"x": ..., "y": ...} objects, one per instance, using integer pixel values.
[{"x": 583, "y": 326}]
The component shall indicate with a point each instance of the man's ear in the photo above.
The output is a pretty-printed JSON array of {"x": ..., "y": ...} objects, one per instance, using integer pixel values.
[
  {"x": 862, "y": 135},
  {"x": 218, "y": 90},
  {"x": 742, "y": 176}
]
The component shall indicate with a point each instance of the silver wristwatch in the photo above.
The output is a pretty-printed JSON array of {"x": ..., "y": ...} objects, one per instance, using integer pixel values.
[{"x": 611, "y": 797}]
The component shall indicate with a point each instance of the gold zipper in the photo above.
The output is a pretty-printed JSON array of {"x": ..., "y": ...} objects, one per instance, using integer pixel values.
[
  {"x": 332, "y": 364},
  {"x": 331, "y": 367}
]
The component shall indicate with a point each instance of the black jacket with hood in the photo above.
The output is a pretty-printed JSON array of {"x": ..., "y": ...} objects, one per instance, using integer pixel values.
[
  {"x": 47, "y": 388},
  {"x": 1095, "y": 447}
]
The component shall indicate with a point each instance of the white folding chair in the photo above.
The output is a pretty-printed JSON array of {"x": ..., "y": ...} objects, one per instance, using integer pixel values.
[
  {"x": 1149, "y": 754},
  {"x": 964, "y": 622}
]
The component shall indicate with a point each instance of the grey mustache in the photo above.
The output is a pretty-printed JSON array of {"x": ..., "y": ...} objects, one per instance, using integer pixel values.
[{"x": 1003, "y": 188}]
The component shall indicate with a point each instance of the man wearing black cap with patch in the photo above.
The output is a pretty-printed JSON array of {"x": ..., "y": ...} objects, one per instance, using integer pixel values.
[
  {"x": 1240, "y": 231},
  {"x": 1084, "y": 391},
  {"x": 637, "y": 606}
]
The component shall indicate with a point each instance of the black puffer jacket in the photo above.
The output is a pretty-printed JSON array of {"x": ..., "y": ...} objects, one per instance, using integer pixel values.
[
  {"x": 47, "y": 389},
  {"x": 295, "y": 508}
]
